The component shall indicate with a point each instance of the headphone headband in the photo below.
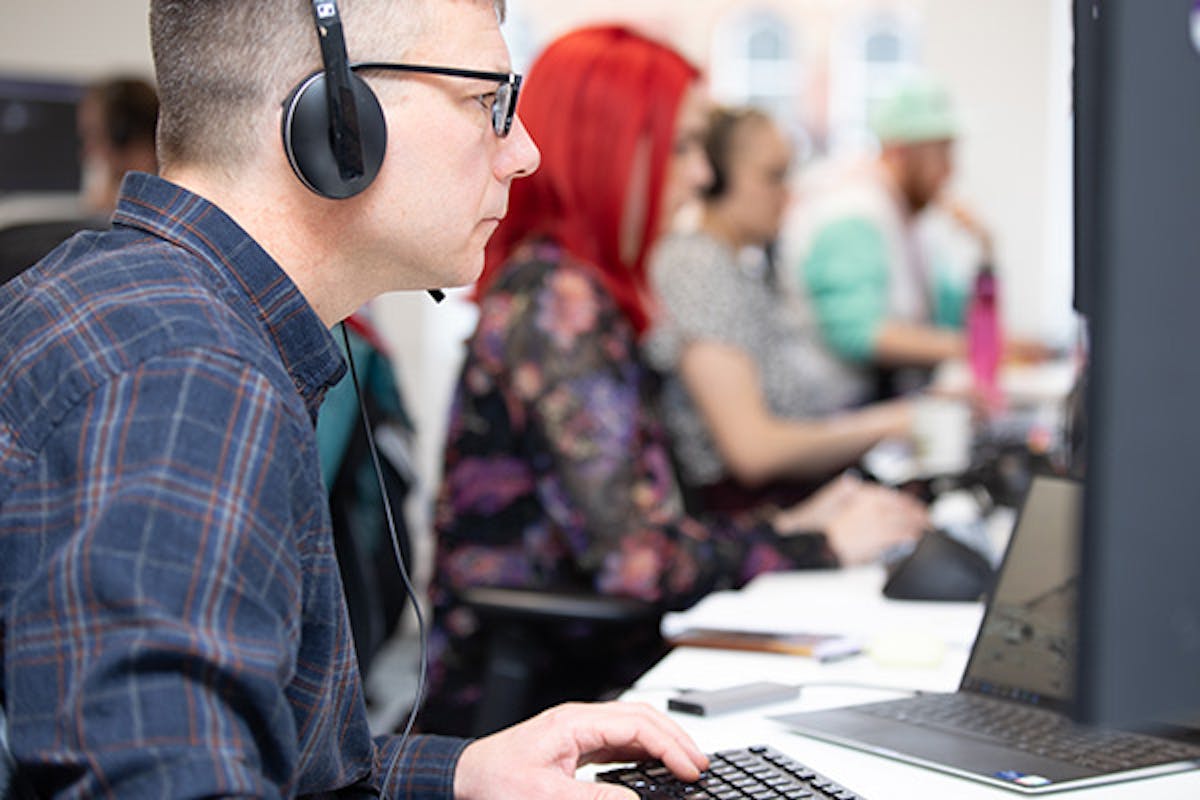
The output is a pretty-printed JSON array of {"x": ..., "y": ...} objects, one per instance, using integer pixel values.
[
  {"x": 334, "y": 131},
  {"x": 343, "y": 110}
]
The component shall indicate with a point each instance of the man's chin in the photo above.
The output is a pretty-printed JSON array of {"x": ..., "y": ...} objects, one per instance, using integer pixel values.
[
  {"x": 466, "y": 275},
  {"x": 445, "y": 278}
]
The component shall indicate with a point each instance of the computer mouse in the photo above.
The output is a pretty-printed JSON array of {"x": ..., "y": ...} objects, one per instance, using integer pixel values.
[{"x": 939, "y": 568}]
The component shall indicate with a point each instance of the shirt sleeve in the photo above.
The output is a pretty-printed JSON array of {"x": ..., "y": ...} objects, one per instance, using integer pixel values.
[
  {"x": 950, "y": 299},
  {"x": 423, "y": 769},
  {"x": 846, "y": 274},
  {"x": 148, "y": 655},
  {"x": 607, "y": 479}
]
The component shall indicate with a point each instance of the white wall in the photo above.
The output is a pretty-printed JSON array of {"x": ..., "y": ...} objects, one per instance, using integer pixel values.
[
  {"x": 75, "y": 38},
  {"x": 1005, "y": 62}
]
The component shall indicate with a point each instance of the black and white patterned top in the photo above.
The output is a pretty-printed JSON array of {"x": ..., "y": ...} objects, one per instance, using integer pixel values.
[{"x": 710, "y": 293}]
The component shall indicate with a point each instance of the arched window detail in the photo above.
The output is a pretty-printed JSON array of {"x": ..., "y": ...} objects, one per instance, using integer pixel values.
[
  {"x": 754, "y": 62},
  {"x": 872, "y": 53}
]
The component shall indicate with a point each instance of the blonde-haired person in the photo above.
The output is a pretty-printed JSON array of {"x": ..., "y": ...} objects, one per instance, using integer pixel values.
[
  {"x": 757, "y": 405},
  {"x": 174, "y": 624}
]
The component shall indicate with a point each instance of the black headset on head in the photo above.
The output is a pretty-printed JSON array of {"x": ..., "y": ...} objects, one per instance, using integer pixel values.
[
  {"x": 718, "y": 142},
  {"x": 334, "y": 131}
]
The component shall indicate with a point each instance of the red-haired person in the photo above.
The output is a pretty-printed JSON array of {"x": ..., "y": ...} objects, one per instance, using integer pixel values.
[{"x": 558, "y": 474}]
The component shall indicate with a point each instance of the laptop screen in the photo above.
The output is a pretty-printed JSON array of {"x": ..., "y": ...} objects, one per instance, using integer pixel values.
[{"x": 1026, "y": 643}]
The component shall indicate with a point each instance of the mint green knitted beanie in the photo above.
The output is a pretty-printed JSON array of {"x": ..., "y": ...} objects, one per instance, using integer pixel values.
[{"x": 918, "y": 109}]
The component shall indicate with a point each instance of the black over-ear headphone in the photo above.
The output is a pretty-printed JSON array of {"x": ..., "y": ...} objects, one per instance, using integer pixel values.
[
  {"x": 717, "y": 142},
  {"x": 334, "y": 131}
]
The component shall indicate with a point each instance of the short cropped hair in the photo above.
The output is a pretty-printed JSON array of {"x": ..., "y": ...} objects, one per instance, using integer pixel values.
[{"x": 221, "y": 65}]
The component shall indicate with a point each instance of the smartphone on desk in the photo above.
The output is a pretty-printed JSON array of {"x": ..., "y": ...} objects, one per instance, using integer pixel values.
[{"x": 821, "y": 646}]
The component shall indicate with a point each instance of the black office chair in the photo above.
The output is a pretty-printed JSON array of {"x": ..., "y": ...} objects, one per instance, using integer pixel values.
[
  {"x": 375, "y": 600},
  {"x": 24, "y": 244},
  {"x": 7, "y": 765},
  {"x": 375, "y": 597},
  {"x": 12, "y": 786},
  {"x": 523, "y": 625}
]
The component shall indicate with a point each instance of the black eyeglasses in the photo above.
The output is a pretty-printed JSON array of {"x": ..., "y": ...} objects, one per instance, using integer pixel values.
[{"x": 504, "y": 105}]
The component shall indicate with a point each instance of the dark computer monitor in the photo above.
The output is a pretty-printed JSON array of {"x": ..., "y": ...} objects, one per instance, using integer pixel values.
[
  {"x": 1139, "y": 609},
  {"x": 1084, "y": 94},
  {"x": 39, "y": 146}
]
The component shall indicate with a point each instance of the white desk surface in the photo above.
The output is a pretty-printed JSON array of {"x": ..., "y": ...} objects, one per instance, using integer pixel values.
[
  {"x": 847, "y": 601},
  {"x": 1047, "y": 382}
]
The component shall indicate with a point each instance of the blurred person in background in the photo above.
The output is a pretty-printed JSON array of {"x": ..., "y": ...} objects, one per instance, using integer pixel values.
[
  {"x": 883, "y": 303},
  {"x": 557, "y": 470},
  {"x": 756, "y": 403},
  {"x": 116, "y": 121}
]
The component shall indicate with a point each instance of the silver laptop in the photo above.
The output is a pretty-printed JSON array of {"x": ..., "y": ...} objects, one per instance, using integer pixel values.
[{"x": 1007, "y": 723}]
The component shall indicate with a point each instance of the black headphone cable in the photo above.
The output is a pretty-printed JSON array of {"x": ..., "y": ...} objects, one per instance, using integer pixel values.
[{"x": 408, "y": 586}]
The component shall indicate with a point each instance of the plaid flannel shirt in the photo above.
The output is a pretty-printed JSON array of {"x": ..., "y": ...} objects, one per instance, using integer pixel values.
[{"x": 173, "y": 619}]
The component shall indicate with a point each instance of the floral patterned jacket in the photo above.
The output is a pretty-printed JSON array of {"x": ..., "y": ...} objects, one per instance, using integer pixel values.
[{"x": 558, "y": 475}]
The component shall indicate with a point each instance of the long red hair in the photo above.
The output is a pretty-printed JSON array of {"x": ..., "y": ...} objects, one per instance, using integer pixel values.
[{"x": 592, "y": 100}]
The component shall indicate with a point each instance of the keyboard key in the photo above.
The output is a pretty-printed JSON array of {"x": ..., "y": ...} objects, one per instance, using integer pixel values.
[{"x": 753, "y": 773}]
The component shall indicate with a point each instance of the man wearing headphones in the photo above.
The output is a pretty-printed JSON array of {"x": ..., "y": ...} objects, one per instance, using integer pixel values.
[{"x": 173, "y": 620}]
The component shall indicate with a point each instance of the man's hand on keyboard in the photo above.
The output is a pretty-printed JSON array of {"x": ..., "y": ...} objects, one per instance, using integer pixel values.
[{"x": 537, "y": 759}]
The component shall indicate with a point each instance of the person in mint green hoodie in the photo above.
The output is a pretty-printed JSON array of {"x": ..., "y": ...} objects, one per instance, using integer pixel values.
[{"x": 880, "y": 301}]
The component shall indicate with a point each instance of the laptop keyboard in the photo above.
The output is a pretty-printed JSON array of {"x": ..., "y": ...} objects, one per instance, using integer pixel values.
[
  {"x": 752, "y": 773},
  {"x": 1034, "y": 730}
]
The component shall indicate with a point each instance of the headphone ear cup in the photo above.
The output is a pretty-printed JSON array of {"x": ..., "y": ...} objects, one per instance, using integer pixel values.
[
  {"x": 716, "y": 187},
  {"x": 309, "y": 146}
]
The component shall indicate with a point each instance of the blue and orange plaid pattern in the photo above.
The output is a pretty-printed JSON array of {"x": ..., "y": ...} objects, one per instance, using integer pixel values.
[{"x": 173, "y": 619}]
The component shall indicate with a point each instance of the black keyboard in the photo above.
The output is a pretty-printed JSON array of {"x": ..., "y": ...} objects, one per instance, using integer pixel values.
[
  {"x": 1035, "y": 730},
  {"x": 757, "y": 773}
]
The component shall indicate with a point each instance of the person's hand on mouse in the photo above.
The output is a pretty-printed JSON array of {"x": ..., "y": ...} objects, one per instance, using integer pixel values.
[
  {"x": 821, "y": 508},
  {"x": 873, "y": 520}
]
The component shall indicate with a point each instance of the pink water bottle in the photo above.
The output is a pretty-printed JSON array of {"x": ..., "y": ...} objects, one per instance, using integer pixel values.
[{"x": 984, "y": 338}]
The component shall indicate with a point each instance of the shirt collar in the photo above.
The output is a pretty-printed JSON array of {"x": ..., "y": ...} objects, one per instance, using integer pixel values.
[{"x": 264, "y": 290}]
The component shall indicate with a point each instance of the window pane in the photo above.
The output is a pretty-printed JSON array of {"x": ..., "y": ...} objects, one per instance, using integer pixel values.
[
  {"x": 883, "y": 47},
  {"x": 765, "y": 45}
]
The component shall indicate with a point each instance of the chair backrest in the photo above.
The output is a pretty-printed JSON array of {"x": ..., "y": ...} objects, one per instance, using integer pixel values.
[
  {"x": 374, "y": 595},
  {"x": 23, "y": 245},
  {"x": 525, "y": 647},
  {"x": 8, "y": 765},
  {"x": 12, "y": 785}
]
